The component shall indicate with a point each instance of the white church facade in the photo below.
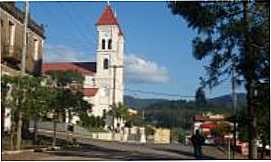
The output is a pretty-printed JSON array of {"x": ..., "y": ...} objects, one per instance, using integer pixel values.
[{"x": 104, "y": 82}]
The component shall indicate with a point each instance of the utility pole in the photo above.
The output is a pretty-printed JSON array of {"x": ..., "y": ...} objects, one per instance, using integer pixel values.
[
  {"x": 114, "y": 92},
  {"x": 143, "y": 115},
  {"x": 234, "y": 99},
  {"x": 229, "y": 148},
  {"x": 20, "y": 114},
  {"x": 25, "y": 39}
]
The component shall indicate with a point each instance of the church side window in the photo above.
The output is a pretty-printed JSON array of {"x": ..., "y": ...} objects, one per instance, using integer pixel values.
[
  {"x": 103, "y": 43},
  {"x": 106, "y": 63},
  {"x": 110, "y": 44}
]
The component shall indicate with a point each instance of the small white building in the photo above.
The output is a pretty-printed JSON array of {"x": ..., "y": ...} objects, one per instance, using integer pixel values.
[{"x": 103, "y": 84}]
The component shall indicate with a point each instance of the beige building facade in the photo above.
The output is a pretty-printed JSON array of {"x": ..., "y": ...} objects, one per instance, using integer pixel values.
[
  {"x": 12, "y": 36},
  {"x": 11, "y": 45}
]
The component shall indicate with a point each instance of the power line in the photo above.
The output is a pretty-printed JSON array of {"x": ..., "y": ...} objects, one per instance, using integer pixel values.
[
  {"x": 159, "y": 93},
  {"x": 71, "y": 23},
  {"x": 76, "y": 27},
  {"x": 151, "y": 92}
]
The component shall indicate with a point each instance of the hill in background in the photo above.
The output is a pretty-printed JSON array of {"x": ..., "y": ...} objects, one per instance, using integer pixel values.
[
  {"x": 225, "y": 100},
  {"x": 179, "y": 113}
]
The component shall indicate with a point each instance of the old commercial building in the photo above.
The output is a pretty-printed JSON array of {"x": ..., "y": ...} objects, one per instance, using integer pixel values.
[
  {"x": 12, "y": 33},
  {"x": 11, "y": 43}
]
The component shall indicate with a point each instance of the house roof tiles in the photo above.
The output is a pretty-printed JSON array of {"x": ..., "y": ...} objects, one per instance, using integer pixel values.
[{"x": 84, "y": 68}]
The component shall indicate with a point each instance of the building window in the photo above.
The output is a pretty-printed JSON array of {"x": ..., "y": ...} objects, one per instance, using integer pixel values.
[
  {"x": 36, "y": 49},
  {"x": 110, "y": 44},
  {"x": 106, "y": 63},
  {"x": 103, "y": 43},
  {"x": 93, "y": 82},
  {"x": 11, "y": 33}
]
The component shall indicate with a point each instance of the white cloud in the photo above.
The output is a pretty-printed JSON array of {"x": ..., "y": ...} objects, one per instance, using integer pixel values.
[
  {"x": 137, "y": 69},
  {"x": 140, "y": 70},
  {"x": 61, "y": 53}
]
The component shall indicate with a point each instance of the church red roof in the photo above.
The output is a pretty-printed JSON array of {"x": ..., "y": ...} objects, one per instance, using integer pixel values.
[
  {"x": 108, "y": 18},
  {"x": 90, "y": 91},
  {"x": 84, "y": 68}
]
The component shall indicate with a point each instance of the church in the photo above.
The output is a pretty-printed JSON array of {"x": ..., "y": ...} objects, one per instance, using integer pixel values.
[{"x": 103, "y": 83}]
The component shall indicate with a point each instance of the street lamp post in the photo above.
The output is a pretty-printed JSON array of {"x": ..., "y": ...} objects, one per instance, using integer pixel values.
[
  {"x": 24, "y": 38},
  {"x": 114, "y": 94}
]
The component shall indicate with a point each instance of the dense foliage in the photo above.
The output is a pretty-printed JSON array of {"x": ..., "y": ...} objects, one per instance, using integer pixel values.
[
  {"x": 32, "y": 98},
  {"x": 235, "y": 38},
  {"x": 91, "y": 122},
  {"x": 178, "y": 114}
]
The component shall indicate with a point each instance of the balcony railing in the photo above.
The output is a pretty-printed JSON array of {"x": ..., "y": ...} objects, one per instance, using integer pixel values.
[
  {"x": 6, "y": 70},
  {"x": 11, "y": 56},
  {"x": 19, "y": 15}
]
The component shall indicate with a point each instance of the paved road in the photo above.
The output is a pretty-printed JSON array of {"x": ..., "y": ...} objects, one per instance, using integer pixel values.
[
  {"x": 100, "y": 150},
  {"x": 126, "y": 151},
  {"x": 113, "y": 151},
  {"x": 109, "y": 151}
]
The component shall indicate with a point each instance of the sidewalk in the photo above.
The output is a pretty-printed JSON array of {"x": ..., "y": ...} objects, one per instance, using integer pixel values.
[{"x": 218, "y": 153}]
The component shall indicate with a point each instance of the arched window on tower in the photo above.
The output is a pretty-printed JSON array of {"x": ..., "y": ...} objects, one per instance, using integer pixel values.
[
  {"x": 110, "y": 44},
  {"x": 103, "y": 43},
  {"x": 106, "y": 63}
]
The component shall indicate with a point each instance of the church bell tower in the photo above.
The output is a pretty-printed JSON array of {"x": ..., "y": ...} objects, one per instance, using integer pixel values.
[{"x": 110, "y": 51}]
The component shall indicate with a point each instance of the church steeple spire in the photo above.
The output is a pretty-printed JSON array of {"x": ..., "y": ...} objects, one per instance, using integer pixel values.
[{"x": 108, "y": 17}]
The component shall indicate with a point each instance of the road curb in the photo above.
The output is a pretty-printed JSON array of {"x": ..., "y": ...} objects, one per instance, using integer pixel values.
[
  {"x": 20, "y": 151},
  {"x": 16, "y": 151}
]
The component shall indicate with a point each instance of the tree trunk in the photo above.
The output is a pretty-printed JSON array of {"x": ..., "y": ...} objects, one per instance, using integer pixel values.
[
  {"x": 19, "y": 131},
  {"x": 252, "y": 126},
  {"x": 263, "y": 151},
  {"x": 35, "y": 131},
  {"x": 249, "y": 74},
  {"x": 55, "y": 124},
  {"x": 12, "y": 131},
  {"x": 3, "y": 116},
  {"x": 68, "y": 125}
]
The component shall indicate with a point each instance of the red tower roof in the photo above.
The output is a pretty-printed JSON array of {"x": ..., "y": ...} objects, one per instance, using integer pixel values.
[{"x": 107, "y": 17}]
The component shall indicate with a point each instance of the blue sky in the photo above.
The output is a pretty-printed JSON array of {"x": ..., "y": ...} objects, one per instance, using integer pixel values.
[{"x": 158, "y": 49}]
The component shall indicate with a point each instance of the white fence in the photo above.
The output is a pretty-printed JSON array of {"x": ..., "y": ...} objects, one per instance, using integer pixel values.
[
  {"x": 60, "y": 127},
  {"x": 80, "y": 131}
]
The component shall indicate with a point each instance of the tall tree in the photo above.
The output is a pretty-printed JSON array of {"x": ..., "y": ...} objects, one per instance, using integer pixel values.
[
  {"x": 18, "y": 97},
  {"x": 232, "y": 34},
  {"x": 7, "y": 102},
  {"x": 200, "y": 97},
  {"x": 64, "y": 98},
  {"x": 37, "y": 104}
]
